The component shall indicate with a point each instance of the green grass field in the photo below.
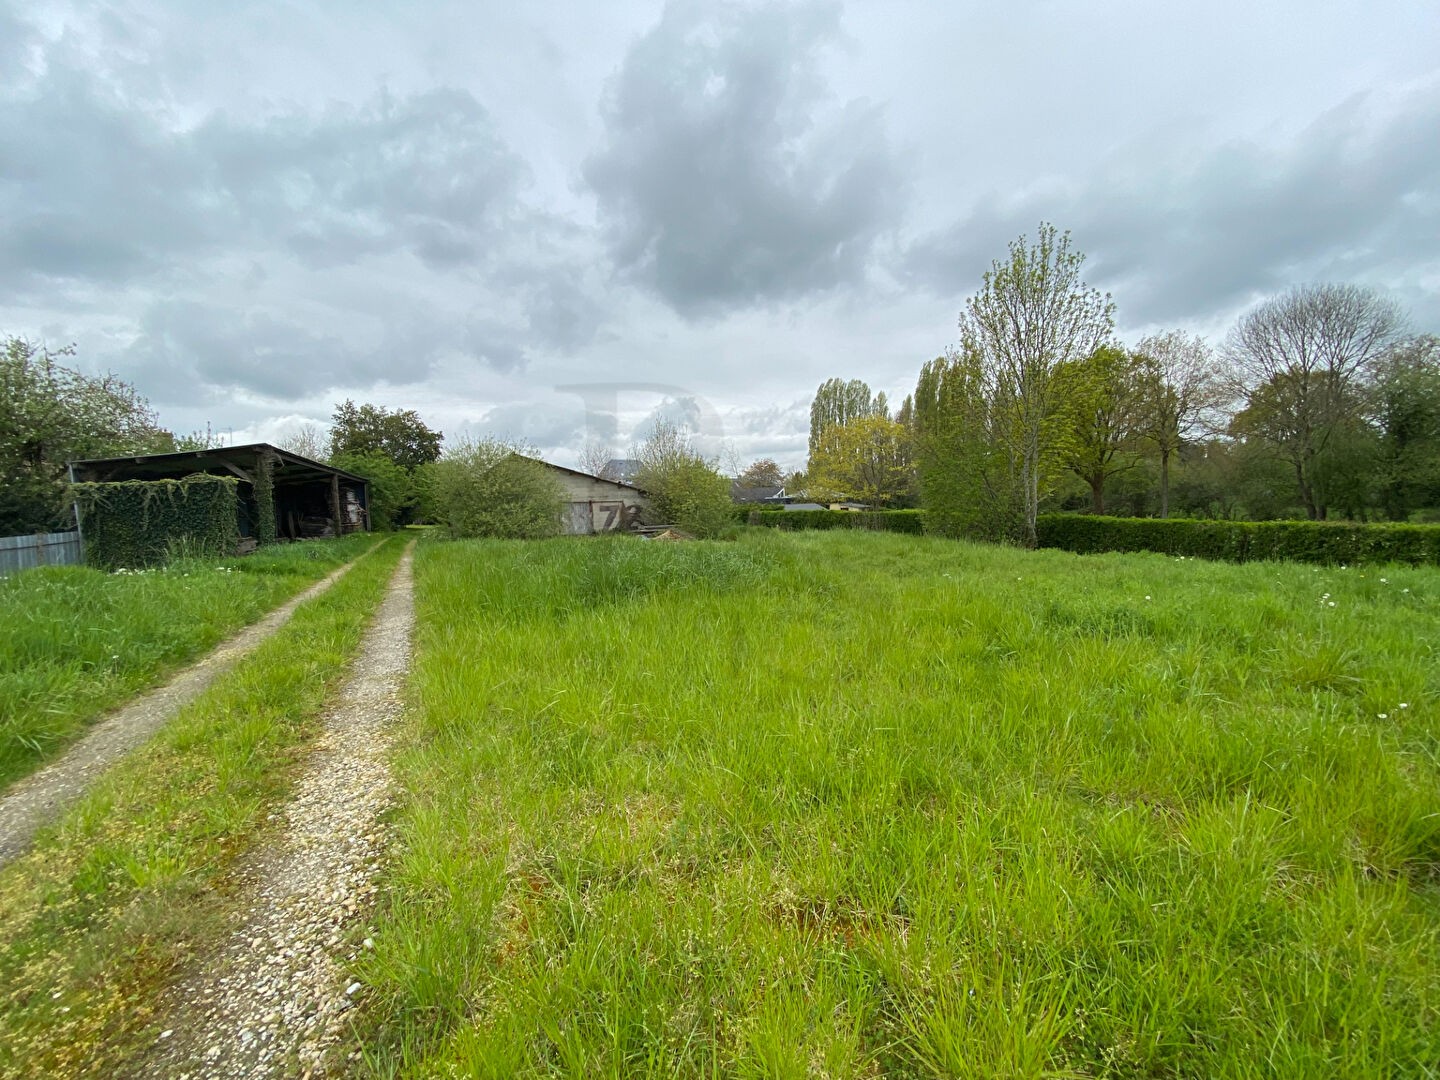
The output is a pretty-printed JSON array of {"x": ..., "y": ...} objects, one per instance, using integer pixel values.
[
  {"x": 75, "y": 641},
  {"x": 849, "y": 805}
]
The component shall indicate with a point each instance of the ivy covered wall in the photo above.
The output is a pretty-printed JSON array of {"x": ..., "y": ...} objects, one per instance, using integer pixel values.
[{"x": 136, "y": 523}]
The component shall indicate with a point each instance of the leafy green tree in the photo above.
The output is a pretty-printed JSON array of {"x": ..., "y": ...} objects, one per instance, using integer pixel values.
[
  {"x": 1405, "y": 408},
  {"x": 52, "y": 415},
  {"x": 399, "y": 435},
  {"x": 1102, "y": 397},
  {"x": 867, "y": 460},
  {"x": 836, "y": 403},
  {"x": 490, "y": 488},
  {"x": 967, "y": 481},
  {"x": 684, "y": 487},
  {"x": 1303, "y": 360},
  {"x": 1032, "y": 315}
]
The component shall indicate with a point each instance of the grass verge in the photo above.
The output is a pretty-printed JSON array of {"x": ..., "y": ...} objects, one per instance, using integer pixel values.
[
  {"x": 851, "y": 805},
  {"x": 133, "y": 881},
  {"x": 75, "y": 641}
]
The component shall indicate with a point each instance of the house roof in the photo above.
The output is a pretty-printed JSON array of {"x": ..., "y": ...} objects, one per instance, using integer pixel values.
[
  {"x": 237, "y": 460},
  {"x": 742, "y": 493},
  {"x": 622, "y": 470},
  {"x": 586, "y": 475},
  {"x": 804, "y": 506}
]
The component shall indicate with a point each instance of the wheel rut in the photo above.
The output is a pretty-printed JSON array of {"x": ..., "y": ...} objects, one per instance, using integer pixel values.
[{"x": 272, "y": 1000}]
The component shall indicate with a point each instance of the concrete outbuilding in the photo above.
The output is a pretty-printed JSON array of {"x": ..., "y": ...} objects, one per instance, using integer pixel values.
[{"x": 596, "y": 505}]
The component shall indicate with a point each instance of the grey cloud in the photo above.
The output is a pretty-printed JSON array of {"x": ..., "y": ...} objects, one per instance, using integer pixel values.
[
  {"x": 98, "y": 185},
  {"x": 186, "y": 350},
  {"x": 716, "y": 184},
  {"x": 1356, "y": 196},
  {"x": 536, "y": 423}
]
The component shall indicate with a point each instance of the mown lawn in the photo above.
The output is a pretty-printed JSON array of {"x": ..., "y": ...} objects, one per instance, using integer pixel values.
[
  {"x": 847, "y": 805},
  {"x": 75, "y": 641}
]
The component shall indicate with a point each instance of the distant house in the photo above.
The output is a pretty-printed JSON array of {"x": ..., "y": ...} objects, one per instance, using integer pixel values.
[
  {"x": 621, "y": 470},
  {"x": 804, "y": 506},
  {"x": 597, "y": 504},
  {"x": 742, "y": 493},
  {"x": 310, "y": 498}
]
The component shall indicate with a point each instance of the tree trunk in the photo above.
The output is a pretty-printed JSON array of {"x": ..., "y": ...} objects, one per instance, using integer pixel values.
[
  {"x": 1097, "y": 494},
  {"x": 1165, "y": 483}
]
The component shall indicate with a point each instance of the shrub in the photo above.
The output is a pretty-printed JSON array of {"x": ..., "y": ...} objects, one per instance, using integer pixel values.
[
  {"x": 488, "y": 488},
  {"x": 137, "y": 523},
  {"x": 1243, "y": 541},
  {"x": 684, "y": 489}
]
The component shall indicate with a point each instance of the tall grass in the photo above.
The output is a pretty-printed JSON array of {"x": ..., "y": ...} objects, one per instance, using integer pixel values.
[
  {"x": 75, "y": 641},
  {"x": 850, "y": 804}
]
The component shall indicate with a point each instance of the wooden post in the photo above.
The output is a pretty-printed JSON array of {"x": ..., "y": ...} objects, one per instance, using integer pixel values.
[{"x": 335, "y": 501}]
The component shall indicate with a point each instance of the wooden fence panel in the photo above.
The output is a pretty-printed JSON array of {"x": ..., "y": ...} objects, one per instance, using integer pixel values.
[{"x": 41, "y": 549}]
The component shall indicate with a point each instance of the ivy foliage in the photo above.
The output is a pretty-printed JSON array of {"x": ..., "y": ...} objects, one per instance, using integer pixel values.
[{"x": 137, "y": 523}]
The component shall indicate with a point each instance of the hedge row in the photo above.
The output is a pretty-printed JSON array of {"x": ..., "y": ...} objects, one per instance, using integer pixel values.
[
  {"x": 135, "y": 523},
  {"x": 1243, "y": 541},
  {"x": 901, "y": 521}
]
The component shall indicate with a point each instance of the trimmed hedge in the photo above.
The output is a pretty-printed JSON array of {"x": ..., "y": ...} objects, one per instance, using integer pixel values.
[
  {"x": 135, "y": 523},
  {"x": 1243, "y": 541},
  {"x": 901, "y": 521}
]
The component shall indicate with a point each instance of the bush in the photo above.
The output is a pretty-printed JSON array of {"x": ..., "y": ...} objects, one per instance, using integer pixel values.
[
  {"x": 1243, "y": 541},
  {"x": 684, "y": 489},
  {"x": 901, "y": 521},
  {"x": 488, "y": 488},
  {"x": 137, "y": 523}
]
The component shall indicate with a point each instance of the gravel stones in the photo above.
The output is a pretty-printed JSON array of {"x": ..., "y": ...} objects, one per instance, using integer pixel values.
[{"x": 274, "y": 1000}]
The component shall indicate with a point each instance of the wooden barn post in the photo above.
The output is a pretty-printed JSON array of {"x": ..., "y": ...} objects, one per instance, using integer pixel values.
[{"x": 335, "y": 501}]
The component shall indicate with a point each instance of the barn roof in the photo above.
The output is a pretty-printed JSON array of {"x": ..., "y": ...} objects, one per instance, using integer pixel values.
[{"x": 237, "y": 460}]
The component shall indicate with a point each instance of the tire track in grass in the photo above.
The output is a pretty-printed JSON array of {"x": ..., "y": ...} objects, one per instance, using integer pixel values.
[
  {"x": 273, "y": 1001},
  {"x": 39, "y": 798}
]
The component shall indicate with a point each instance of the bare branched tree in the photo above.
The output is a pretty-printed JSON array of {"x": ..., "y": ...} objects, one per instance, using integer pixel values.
[
  {"x": 1181, "y": 390},
  {"x": 308, "y": 441},
  {"x": 595, "y": 455},
  {"x": 1302, "y": 360}
]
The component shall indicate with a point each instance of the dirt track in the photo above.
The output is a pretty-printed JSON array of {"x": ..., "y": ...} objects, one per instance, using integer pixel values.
[{"x": 39, "y": 798}]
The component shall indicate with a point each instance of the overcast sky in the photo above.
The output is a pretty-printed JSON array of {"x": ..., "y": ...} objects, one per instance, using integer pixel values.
[{"x": 525, "y": 220}]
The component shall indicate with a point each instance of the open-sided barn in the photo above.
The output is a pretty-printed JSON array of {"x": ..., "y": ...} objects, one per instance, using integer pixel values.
[{"x": 310, "y": 498}]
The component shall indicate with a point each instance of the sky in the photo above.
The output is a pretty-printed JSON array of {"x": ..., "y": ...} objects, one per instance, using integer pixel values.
[{"x": 555, "y": 222}]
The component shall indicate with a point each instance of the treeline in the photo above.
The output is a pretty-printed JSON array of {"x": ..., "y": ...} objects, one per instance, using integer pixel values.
[{"x": 1319, "y": 404}]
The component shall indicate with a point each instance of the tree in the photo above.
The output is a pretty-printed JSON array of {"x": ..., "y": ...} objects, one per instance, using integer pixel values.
[
  {"x": 490, "y": 488},
  {"x": 1032, "y": 315},
  {"x": 1180, "y": 388},
  {"x": 966, "y": 480},
  {"x": 594, "y": 456},
  {"x": 763, "y": 473},
  {"x": 836, "y": 403},
  {"x": 1101, "y": 394},
  {"x": 53, "y": 414},
  {"x": 867, "y": 459},
  {"x": 309, "y": 442},
  {"x": 685, "y": 489},
  {"x": 400, "y": 435},
  {"x": 1405, "y": 410},
  {"x": 1302, "y": 361}
]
